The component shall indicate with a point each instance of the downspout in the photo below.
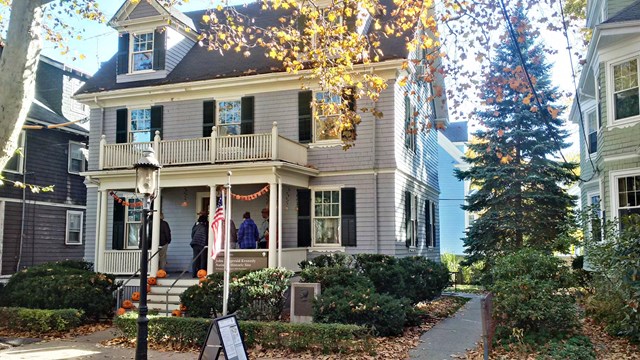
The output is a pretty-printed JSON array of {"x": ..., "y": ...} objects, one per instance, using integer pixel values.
[
  {"x": 278, "y": 236},
  {"x": 24, "y": 202},
  {"x": 375, "y": 187}
]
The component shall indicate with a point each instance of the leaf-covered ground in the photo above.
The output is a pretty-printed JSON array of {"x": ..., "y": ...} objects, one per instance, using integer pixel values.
[{"x": 81, "y": 330}]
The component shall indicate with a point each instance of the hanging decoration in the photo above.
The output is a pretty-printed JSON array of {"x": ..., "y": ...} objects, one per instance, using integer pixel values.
[
  {"x": 124, "y": 202},
  {"x": 185, "y": 203},
  {"x": 253, "y": 196}
]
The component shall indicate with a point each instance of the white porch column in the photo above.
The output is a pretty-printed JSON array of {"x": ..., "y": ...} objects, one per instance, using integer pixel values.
[
  {"x": 101, "y": 240},
  {"x": 212, "y": 210},
  {"x": 155, "y": 235},
  {"x": 273, "y": 224}
]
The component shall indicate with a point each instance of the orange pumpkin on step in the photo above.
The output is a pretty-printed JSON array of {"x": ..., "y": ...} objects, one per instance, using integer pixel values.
[
  {"x": 161, "y": 274},
  {"x": 121, "y": 311},
  {"x": 152, "y": 281},
  {"x": 148, "y": 288},
  {"x": 202, "y": 273},
  {"x": 135, "y": 296},
  {"x": 127, "y": 304},
  {"x": 176, "y": 312},
  {"x": 183, "y": 307}
]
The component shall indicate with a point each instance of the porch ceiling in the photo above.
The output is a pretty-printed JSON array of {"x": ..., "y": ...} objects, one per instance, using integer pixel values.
[{"x": 210, "y": 175}]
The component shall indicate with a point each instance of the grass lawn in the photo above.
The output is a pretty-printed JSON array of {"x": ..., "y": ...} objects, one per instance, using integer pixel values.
[{"x": 470, "y": 289}]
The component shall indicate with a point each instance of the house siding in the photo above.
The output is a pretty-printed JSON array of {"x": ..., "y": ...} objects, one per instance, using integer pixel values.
[
  {"x": 144, "y": 9},
  {"x": 615, "y": 6},
  {"x": 178, "y": 46}
]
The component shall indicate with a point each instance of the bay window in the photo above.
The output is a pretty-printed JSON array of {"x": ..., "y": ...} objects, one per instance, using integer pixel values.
[
  {"x": 626, "y": 98},
  {"x": 628, "y": 196}
]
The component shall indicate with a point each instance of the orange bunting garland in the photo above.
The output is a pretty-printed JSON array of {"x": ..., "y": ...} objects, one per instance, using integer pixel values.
[
  {"x": 124, "y": 202},
  {"x": 253, "y": 196}
]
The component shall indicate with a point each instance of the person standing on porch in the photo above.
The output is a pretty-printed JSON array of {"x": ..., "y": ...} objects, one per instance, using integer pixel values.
[
  {"x": 165, "y": 240},
  {"x": 199, "y": 240},
  {"x": 264, "y": 230},
  {"x": 248, "y": 233}
]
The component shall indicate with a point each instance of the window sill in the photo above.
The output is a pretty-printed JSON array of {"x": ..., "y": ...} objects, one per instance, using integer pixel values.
[
  {"x": 71, "y": 244},
  {"x": 623, "y": 123},
  {"x": 326, "y": 248},
  {"x": 12, "y": 172},
  {"x": 325, "y": 144}
]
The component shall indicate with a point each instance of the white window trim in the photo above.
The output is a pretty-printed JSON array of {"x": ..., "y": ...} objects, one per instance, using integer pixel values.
[
  {"x": 131, "y": 41},
  {"x": 314, "y": 119},
  {"x": 610, "y": 81},
  {"x": 590, "y": 195},
  {"x": 414, "y": 220},
  {"x": 588, "y": 131},
  {"x": 414, "y": 137},
  {"x": 313, "y": 217},
  {"x": 217, "y": 113},
  {"x": 66, "y": 234},
  {"x": 130, "y": 132},
  {"x": 613, "y": 188},
  {"x": 84, "y": 163},
  {"x": 21, "y": 158},
  {"x": 127, "y": 222}
]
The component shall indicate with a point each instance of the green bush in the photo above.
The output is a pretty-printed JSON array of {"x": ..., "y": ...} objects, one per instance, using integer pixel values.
[
  {"x": 39, "y": 321},
  {"x": 337, "y": 338},
  {"x": 528, "y": 294},
  {"x": 574, "y": 348},
  {"x": 61, "y": 285},
  {"x": 205, "y": 299},
  {"x": 423, "y": 279},
  {"x": 262, "y": 293},
  {"x": 363, "y": 262},
  {"x": 384, "y": 314},
  {"x": 330, "y": 277},
  {"x": 328, "y": 260}
]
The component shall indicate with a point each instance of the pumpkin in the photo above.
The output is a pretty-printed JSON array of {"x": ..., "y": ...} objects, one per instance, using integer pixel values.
[
  {"x": 202, "y": 273},
  {"x": 148, "y": 288},
  {"x": 203, "y": 280},
  {"x": 121, "y": 311},
  {"x": 152, "y": 281},
  {"x": 161, "y": 274},
  {"x": 183, "y": 307},
  {"x": 135, "y": 296},
  {"x": 127, "y": 304},
  {"x": 176, "y": 312}
]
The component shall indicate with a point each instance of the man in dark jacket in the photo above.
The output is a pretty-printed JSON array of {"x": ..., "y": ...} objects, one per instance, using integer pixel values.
[
  {"x": 165, "y": 240},
  {"x": 248, "y": 233},
  {"x": 199, "y": 240}
]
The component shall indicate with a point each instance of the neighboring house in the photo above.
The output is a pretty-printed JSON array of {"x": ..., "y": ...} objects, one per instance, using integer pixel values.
[
  {"x": 610, "y": 105},
  {"x": 41, "y": 227},
  {"x": 453, "y": 192},
  {"x": 206, "y": 114}
]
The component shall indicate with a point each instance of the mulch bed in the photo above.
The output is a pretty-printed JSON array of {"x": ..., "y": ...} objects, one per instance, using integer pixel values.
[{"x": 55, "y": 335}]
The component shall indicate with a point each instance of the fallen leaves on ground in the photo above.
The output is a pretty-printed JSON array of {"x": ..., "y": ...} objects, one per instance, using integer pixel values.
[{"x": 54, "y": 335}]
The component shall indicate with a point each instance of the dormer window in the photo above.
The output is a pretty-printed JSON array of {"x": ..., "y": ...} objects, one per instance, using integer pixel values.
[{"x": 142, "y": 52}]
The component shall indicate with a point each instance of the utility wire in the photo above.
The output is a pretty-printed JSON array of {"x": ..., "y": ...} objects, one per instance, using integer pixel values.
[
  {"x": 577, "y": 94},
  {"x": 526, "y": 72}
]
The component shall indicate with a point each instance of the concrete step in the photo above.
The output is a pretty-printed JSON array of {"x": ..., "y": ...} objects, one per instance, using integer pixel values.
[
  {"x": 153, "y": 297},
  {"x": 184, "y": 282}
]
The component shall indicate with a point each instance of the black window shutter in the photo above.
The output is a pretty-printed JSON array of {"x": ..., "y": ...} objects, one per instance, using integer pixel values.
[
  {"x": 117, "y": 241},
  {"x": 348, "y": 221},
  {"x": 246, "y": 115},
  {"x": 427, "y": 223},
  {"x": 407, "y": 218},
  {"x": 122, "y": 125},
  {"x": 208, "y": 117},
  {"x": 304, "y": 116},
  {"x": 156, "y": 120},
  {"x": 433, "y": 223},
  {"x": 304, "y": 217},
  {"x": 122, "y": 61},
  {"x": 159, "y": 48}
]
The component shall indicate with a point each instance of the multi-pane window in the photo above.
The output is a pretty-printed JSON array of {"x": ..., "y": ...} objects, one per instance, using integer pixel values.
[
  {"x": 140, "y": 130},
  {"x": 628, "y": 196},
  {"x": 326, "y": 217},
  {"x": 409, "y": 124},
  {"x": 626, "y": 96},
  {"x": 74, "y": 228},
  {"x": 328, "y": 114},
  {"x": 596, "y": 219},
  {"x": 142, "y": 52},
  {"x": 412, "y": 220},
  {"x": 134, "y": 220},
  {"x": 77, "y": 160},
  {"x": 15, "y": 164},
  {"x": 592, "y": 123},
  {"x": 229, "y": 117}
]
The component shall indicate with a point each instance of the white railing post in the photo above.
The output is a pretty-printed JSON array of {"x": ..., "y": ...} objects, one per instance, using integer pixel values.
[
  {"x": 274, "y": 141},
  {"x": 103, "y": 143},
  {"x": 156, "y": 144},
  {"x": 213, "y": 145}
]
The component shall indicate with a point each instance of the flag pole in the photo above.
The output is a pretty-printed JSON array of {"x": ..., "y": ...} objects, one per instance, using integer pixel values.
[{"x": 227, "y": 236}]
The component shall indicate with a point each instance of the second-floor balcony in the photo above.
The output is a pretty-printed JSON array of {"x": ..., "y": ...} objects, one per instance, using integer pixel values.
[{"x": 206, "y": 150}]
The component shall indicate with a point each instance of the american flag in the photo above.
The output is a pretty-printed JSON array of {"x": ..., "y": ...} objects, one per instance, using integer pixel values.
[{"x": 218, "y": 228}]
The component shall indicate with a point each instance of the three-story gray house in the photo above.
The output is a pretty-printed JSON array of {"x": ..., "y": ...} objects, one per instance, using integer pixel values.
[{"x": 206, "y": 114}]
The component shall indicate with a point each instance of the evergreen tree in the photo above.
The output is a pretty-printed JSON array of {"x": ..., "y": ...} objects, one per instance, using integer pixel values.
[{"x": 519, "y": 193}]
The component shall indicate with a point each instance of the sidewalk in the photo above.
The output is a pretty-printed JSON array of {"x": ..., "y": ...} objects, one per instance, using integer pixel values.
[
  {"x": 452, "y": 336},
  {"x": 84, "y": 347}
]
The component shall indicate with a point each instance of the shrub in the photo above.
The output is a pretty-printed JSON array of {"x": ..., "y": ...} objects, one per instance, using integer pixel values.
[
  {"x": 574, "y": 348},
  {"x": 528, "y": 294},
  {"x": 39, "y": 321},
  {"x": 205, "y": 298},
  {"x": 581, "y": 276},
  {"x": 384, "y": 314},
  {"x": 329, "y": 277},
  {"x": 336, "y": 338},
  {"x": 328, "y": 260},
  {"x": 363, "y": 262},
  {"x": 262, "y": 293},
  {"x": 61, "y": 285},
  {"x": 423, "y": 279}
]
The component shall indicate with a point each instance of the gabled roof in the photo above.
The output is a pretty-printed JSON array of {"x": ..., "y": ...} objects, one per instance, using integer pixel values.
[
  {"x": 456, "y": 132},
  {"x": 200, "y": 64},
  {"x": 128, "y": 6},
  {"x": 630, "y": 13},
  {"x": 41, "y": 114}
]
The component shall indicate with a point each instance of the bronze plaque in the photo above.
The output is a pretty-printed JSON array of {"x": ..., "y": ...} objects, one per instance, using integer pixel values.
[
  {"x": 245, "y": 260},
  {"x": 304, "y": 300}
]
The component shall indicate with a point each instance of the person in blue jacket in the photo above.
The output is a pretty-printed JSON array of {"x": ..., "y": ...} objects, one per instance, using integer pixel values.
[{"x": 248, "y": 233}]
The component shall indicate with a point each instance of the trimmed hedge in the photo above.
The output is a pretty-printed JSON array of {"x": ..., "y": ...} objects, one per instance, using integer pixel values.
[
  {"x": 39, "y": 321},
  {"x": 336, "y": 338}
]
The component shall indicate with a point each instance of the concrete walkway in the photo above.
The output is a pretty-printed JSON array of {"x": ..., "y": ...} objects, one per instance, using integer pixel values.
[{"x": 452, "y": 336}]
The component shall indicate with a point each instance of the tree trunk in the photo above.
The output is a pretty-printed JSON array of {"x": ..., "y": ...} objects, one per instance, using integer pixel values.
[{"x": 18, "y": 66}]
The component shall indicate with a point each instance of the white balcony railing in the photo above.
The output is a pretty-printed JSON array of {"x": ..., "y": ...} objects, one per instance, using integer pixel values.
[
  {"x": 121, "y": 262},
  {"x": 206, "y": 150}
]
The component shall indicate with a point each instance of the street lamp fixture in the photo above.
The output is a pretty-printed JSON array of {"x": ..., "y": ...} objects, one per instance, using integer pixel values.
[{"x": 147, "y": 176}]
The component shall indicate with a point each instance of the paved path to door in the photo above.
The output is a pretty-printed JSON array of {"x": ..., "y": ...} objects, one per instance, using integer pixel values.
[{"x": 452, "y": 336}]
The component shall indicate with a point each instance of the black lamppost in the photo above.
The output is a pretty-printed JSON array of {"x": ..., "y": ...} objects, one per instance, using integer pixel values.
[{"x": 147, "y": 173}]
